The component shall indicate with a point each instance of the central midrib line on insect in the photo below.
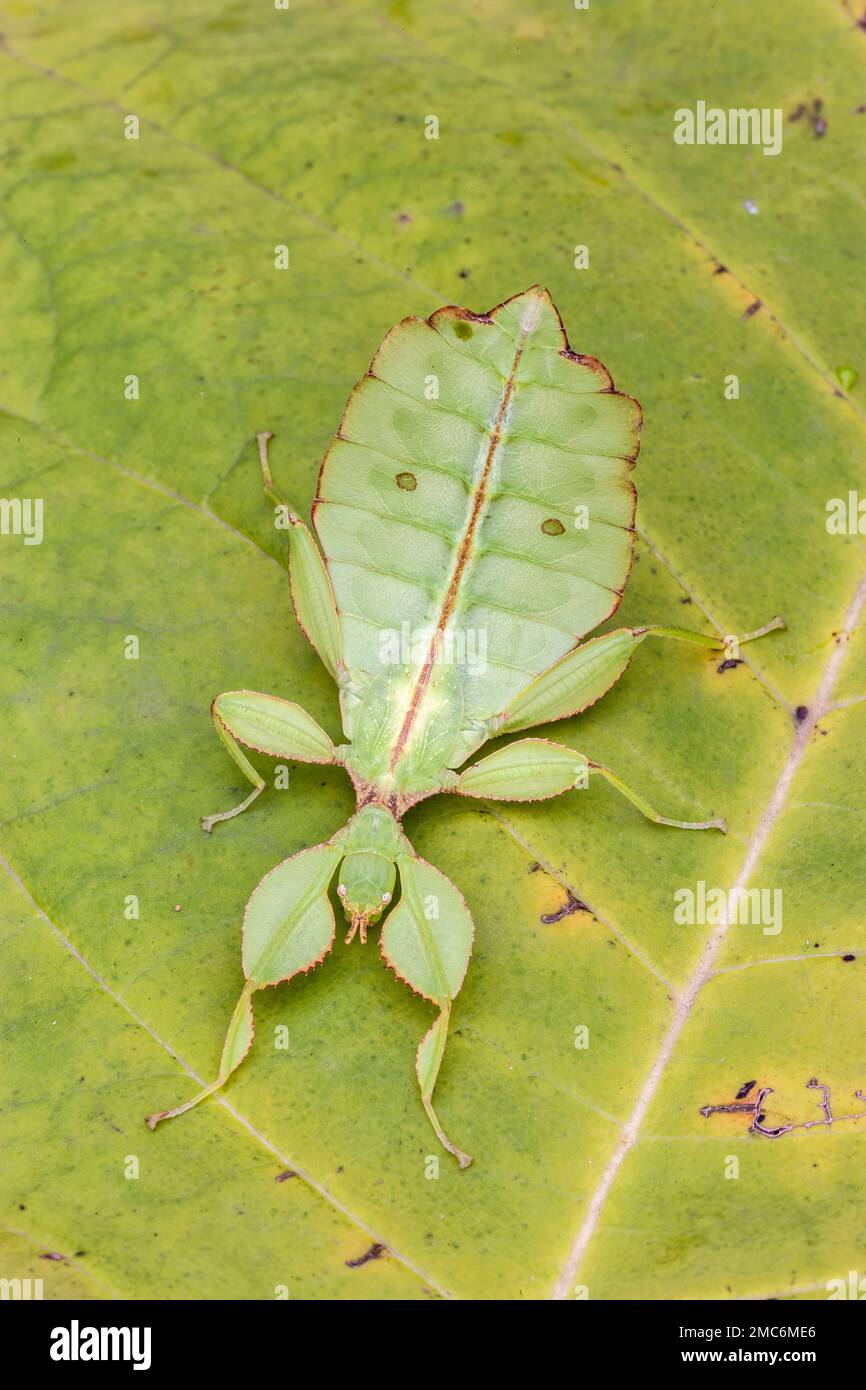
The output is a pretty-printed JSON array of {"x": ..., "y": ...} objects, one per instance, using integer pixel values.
[{"x": 464, "y": 551}]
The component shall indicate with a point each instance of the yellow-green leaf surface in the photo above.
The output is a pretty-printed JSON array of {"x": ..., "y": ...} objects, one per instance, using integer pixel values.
[{"x": 156, "y": 258}]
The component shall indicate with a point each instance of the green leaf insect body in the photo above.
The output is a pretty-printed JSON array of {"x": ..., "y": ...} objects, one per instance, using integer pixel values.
[{"x": 448, "y": 601}]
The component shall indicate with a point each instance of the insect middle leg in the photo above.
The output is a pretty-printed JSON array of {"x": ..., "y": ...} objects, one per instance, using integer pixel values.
[
  {"x": 277, "y": 727},
  {"x": 535, "y": 769}
]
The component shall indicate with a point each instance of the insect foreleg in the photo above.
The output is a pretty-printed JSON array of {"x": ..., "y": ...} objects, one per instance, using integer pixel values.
[
  {"x": 237, "y": 1044},
  {"x": 427, "y": 1063},
  {"x": 427, "y": 941},
  {"x": 288, "y": 928}
]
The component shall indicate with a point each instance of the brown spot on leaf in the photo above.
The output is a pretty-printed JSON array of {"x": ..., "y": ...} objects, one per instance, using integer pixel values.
[
  {"x": 728, "y": 665},
  {"x": 801, "y": 713},
  {"x": 744, "y": 1090},
  {"x": 571, "y": 904},
  {"x": 407, "y": 481},
  {"x": 552, "y": 527},
  {"x": 463, "y": 329},
  {"x": 375, "y": 1252}
]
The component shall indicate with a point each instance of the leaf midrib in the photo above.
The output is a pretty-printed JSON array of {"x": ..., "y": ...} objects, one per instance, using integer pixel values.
[{"x": 800, "y": 741}]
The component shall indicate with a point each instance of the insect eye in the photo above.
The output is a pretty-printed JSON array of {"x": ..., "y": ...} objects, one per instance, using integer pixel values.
[
  {"x": 386, "y": 897},
  {"x": 341, "y": 889},
  {"x": 552, "y": 527}
]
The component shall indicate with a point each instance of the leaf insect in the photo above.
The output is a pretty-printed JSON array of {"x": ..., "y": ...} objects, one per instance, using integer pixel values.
[{"x": 442, "y": 522}]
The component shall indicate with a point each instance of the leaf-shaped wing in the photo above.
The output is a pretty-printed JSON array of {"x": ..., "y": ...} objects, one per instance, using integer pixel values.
[{"x": 449, "y": 506}]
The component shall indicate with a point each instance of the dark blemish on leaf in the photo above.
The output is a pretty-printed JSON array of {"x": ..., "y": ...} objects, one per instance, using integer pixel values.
[
  {"x": 729, "y": 664},
  {"x": 800, "y": 713},
  {"x": 284, "y": 1177},
  {"x": 759, "y": 1114},
  {"x": 375, "y": 1252},
  {"x": 534, "y": 868},
  {"x": 407, "y": 481},
  {"x": 457, "y": 208},
  {"x": 858, "y": 110},
  {"x": 720, "y": 270},
  {"x": 52, "y": 1255},
  {"x": 800, "y": 111},
  {"x": 571, "y": 904},
  {"x": 752, "y": 309},
  {"x": 685, "y": 600},
  {"x": 404, "y": 217},
  {"x": 552, "y": 527},
  {"x": 846, "y": 958},
  {"x": 464, "y": 274},
  {"x": 463, "y": 329},
  {"x": 79, "y": 1254},
  {"x": 725, "y": 1109},
  {"x": 744, "y": 1090}
]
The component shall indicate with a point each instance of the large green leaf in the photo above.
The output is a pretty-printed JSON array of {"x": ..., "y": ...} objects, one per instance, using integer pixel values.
[{"x": 155, "y": 258}]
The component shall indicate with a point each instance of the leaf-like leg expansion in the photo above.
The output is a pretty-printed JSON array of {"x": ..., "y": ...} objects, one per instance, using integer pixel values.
[
  {"x": 269, "y": 725},
  {"x": 582, "y": 676},
  {"x": 246, "y": 767},
  {"x": 312, "y": 594},
  {"x": 238, "y": 1042},
  {"x": 427, "y": 1063},
  {"x": 532, "y": 769},
  {"x": 427, "y": 941},
  {"x": 288, "y": 927},
  {"x": 649, "y": 811}
]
